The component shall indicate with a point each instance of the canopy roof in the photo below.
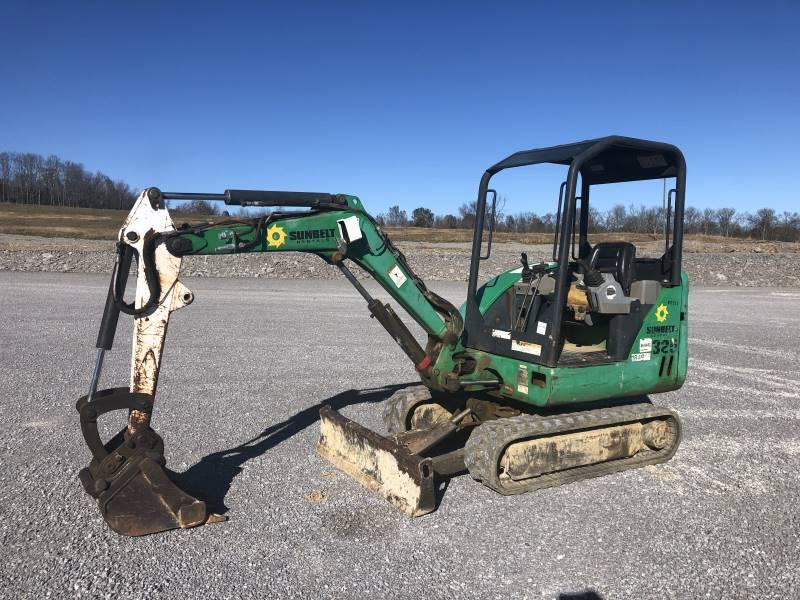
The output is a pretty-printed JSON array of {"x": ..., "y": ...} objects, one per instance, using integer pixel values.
[{"x": 605, "y": 160}]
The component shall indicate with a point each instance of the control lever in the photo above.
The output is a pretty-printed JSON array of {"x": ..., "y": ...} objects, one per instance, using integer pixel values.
[
  {"x": 526, "y": 268},
  {"x": 528, "y": 273}
]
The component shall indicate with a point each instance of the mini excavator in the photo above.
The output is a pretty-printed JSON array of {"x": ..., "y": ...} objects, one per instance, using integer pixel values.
[{"x": 540, "y": 379}]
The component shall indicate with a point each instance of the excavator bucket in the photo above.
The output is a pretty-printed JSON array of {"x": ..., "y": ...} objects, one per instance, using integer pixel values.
[
  {"x": 380, "y": 464},
  {"x": 144, "y": 500},
  {"x": 126, "y": 475}
]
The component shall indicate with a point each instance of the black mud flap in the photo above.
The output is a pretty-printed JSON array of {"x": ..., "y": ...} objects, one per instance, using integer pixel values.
[
  {"x": 378, "y": 463},
  {"x": 127, "y": 476}
]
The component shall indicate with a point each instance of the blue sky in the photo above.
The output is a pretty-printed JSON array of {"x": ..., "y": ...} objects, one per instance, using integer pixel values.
[{"x": 404, "y": 102}]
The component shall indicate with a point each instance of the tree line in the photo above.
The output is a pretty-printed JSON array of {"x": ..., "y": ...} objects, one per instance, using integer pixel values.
[
  {"x": 762, "y": 224},
  {"x": 27, "y": 178}
]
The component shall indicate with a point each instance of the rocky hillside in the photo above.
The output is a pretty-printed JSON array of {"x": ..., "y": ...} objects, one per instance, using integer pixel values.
[{"x": 733, "y": 263}]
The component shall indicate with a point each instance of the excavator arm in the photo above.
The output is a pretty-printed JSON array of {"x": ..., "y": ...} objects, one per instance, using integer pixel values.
[
  {"x": 126, "y": 474},
  {"x": 335, "y": 234}
]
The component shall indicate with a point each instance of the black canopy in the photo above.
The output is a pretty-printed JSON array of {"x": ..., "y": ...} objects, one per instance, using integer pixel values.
[{"x": 605, "y": 160}]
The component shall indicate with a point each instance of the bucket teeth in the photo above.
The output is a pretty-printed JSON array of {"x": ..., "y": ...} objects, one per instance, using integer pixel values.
[{"x": 380, "y": 464}]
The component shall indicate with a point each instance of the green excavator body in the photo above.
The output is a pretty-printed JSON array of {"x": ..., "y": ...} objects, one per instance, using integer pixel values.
[
  {"x": 540, "y": 378},
  {"x": 656, "y": 362}
]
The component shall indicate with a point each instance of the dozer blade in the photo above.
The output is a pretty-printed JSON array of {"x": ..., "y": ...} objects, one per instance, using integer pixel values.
[
  {"x": 378, "y": 463},
  {"x": 127, "y": 476}
]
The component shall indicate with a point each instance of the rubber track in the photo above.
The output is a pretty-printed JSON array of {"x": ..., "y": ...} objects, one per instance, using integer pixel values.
[
  {"x": 400, "y": 405},
  {"x": 488, "y": 442}
]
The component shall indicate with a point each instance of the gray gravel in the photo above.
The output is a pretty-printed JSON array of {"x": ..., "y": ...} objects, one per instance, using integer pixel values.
[
  {"x": 245, "y": 369},
  {"x": 742, "y": 264}
]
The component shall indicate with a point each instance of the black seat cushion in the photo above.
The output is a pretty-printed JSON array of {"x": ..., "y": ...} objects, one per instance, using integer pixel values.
[{"x": 618, "y": 259}]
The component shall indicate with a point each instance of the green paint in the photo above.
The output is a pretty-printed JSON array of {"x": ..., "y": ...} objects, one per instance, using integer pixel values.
[
  {"x": 566, "y": 385},
  {"x": 320, "y": 233},
  {"x": 493, "y": 289}
]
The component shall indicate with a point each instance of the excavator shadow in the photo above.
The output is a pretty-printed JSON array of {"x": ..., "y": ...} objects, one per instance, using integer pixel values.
[{"x": 211, "y": 478}]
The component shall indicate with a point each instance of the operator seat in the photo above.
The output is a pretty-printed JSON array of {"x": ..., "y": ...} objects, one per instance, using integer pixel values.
[{"x": 618, "y": 259}]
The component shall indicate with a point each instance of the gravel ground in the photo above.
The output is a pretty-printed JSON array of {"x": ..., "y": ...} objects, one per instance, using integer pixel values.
[
  {"x": 245, "y": 369},
  {"x": 733, "y": 264}
]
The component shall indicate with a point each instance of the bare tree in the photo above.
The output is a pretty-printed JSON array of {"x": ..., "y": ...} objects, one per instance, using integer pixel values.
[
  {"x": 763, "y": 222},
  {"x": 5, "y": 176},
  {"x": 615, "y": 218},
  {"x": 396, "y": 217},
  {"x": 789, "y": 226},
  {"x": 692, "y": 220},
  {"x": 597, "y": 220},
  {"x": 709, "y": 219},
  {"x": 725, "y": 220},
  {"x": 468, "y": 210},
  {"x": 447, "y": 222}
]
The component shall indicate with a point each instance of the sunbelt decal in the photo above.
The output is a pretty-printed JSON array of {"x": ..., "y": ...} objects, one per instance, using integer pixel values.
[
  {"x": 277, "y": 235},
  {"x": 661, "y": 313},
  {"x": 661, "y": 329},
  {"x": 303, "y": 235}
]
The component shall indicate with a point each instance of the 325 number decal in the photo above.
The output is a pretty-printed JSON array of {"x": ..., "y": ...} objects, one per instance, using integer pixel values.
[{"x": 665, "y": 346}]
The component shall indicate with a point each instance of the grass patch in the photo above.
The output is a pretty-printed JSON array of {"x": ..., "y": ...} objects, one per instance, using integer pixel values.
[
  {"x": 61, "y": 221},
  {"x": 54, "y": 221},
  {"x": 104, "y": 224}
]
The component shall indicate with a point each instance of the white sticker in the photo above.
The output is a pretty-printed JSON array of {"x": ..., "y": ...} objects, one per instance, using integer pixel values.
[
  {"x": 526, "y": 347},
  {"x": 522, "y": 379},
  {"x": 541, "y": 328},
  {"x": 646, "y": 345},
  {"x": 640, "y": 357},
  {"x": 503, "y": 335},
  {"x": 397, "y": 276},
  {"x": 350, "y": 229}
]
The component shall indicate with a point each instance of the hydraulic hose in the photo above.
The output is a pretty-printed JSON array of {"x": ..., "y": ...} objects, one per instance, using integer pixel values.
[{"x": 120, "y": 277}]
